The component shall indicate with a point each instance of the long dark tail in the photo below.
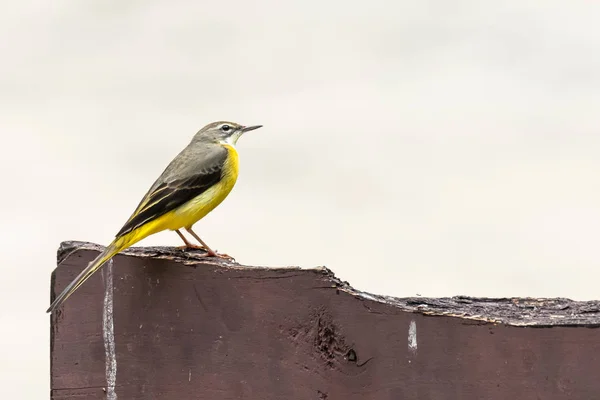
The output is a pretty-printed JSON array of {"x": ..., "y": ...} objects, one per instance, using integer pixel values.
[{"x": 108, "y": 253}]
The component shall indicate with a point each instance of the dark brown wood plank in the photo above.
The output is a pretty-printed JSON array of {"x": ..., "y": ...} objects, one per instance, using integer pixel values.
[{"x": 192, "y": 328}]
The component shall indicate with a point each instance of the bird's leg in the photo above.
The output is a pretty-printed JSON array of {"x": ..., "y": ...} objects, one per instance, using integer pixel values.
[
  {"x": 188, "y": 245},
  {"x": 211, "y": 252}
]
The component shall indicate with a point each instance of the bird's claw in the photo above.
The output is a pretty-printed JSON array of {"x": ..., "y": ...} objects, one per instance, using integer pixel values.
[
  {"x": 208, "y": 253},
  {"x": 191, "y": 247},
  {"x": 223, "y": 255}
]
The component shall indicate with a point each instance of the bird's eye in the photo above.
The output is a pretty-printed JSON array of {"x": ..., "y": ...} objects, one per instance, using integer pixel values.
[{"x": 225, "y": 128}]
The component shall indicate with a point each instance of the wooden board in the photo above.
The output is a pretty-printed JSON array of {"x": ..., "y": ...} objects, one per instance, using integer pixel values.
[{"x": 185, "y": 327}]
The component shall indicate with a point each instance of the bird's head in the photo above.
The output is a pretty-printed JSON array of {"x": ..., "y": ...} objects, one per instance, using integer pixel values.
[{"x": 223, "y": 132}]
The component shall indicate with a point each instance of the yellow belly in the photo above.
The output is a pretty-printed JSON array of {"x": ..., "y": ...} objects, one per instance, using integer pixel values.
[
  {"x": 191, "y": 212},
  {"x": 197, "y": 208}
]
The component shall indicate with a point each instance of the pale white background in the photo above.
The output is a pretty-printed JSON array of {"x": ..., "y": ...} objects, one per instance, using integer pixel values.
[{"x": 432, "y": 147}]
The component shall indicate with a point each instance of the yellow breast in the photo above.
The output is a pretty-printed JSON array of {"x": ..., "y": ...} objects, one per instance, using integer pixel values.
[
  {"x": 231, "y": 167},
  {"x": 197, "y": 208}
]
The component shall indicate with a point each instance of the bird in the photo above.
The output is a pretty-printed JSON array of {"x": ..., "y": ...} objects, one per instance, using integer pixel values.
[{"x": 198, "y": 179}]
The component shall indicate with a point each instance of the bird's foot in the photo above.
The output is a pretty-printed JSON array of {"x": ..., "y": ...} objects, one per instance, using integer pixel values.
[
  {"x": 227, "y": 256},
  {"x": 191, "y": 247},
  {"x": 220, "y": 255},
  {"x": 207, "y": 252}
]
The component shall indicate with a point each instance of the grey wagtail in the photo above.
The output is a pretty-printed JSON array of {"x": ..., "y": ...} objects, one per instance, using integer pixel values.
[{"x": 191, "y": 186}]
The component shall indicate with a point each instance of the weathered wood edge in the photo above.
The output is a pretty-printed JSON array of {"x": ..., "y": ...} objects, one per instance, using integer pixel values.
[{"x": 515, "y": 311}]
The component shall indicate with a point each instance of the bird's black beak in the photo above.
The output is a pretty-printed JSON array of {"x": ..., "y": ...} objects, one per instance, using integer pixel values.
[{"x": 250, "y": 128}]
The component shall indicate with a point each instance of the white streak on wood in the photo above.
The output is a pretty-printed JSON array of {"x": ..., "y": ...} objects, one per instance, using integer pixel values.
[
  {"x": 108, "y": 333},
  {"x": 412, "y": 337}
]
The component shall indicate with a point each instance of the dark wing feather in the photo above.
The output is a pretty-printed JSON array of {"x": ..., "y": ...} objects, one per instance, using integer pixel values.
[{"x": 174, "y": 193}]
